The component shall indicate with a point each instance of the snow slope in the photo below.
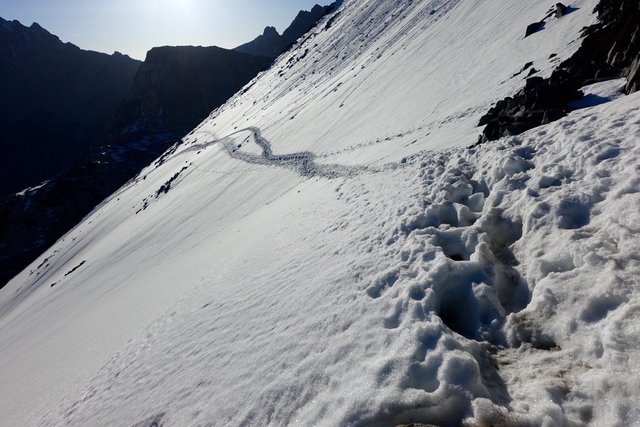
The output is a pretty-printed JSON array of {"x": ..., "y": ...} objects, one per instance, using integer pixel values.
[{"x": 310, "y": 255}]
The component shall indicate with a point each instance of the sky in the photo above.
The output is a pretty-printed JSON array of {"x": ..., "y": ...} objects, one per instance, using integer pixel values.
[{"x": 135, "y": 26}]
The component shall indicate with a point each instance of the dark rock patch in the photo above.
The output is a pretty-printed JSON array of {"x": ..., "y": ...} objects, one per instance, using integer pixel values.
[
  {"x": 539, "y": 102},
  {"x": 534, "y": 28},
  {"x": 164, "y": 188},
  {"x": 524, "y": 68},
  {"x": 75, "y": 268},
  {"x": 561, "y": 10},
  {"x": 532, "y": 72}
]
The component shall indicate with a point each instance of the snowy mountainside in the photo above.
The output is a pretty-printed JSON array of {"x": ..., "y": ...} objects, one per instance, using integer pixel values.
[
  {"x": 310, "y": 255},
  {"x": 388, "y": 73}
]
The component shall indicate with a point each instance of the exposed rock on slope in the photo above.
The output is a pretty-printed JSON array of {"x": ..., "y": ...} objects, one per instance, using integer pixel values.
[
  {"x": 55, "y": 99},
  {"x": 610, "y": 49}
]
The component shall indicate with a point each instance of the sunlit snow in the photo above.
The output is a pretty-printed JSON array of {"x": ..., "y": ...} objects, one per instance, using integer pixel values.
[{"x": 324, "y": 250}]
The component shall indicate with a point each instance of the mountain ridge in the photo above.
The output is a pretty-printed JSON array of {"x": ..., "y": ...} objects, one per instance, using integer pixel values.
[
  {"x": 271, "y": 43},
  {"x": 68, "y": 105}
]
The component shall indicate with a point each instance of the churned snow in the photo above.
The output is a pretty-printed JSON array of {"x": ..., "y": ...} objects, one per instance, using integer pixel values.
[{"x": 324, "y": 250}]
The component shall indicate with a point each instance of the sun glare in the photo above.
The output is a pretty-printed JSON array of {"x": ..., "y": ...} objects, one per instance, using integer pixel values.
[{"x": 170, "y": 8}]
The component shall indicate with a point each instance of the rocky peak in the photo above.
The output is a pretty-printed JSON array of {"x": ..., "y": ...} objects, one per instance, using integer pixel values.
[
  {"x": 304, "y": 21},
  {"x": 270, "y": 32},
  {"x": 13, "y": 33},
  {"x": 7, "y": 26},
  {"x": 271, "y": 44}
]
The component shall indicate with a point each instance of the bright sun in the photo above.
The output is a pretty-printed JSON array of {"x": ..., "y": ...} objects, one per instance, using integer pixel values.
[
  {"x": 170, "y": 9},
  {"x": 171, "y": 5}
]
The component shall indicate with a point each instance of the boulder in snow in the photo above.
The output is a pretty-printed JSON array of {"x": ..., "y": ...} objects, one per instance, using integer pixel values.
[
  {"x": 534, "y": 28},
  {"x": 561, "y": 10}
]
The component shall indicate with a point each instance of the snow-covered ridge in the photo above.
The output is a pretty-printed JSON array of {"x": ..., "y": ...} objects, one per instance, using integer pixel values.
[{"x": 306, "y": 257}]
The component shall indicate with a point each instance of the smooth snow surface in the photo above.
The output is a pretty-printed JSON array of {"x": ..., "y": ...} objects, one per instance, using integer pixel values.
[{"x": 324, "y": 251}]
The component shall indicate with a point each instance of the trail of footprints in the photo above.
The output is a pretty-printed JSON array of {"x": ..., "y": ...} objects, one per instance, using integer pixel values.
[{"x": 456, "y": 260}]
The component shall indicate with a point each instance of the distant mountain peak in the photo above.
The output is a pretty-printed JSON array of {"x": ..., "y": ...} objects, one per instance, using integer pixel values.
[
  {"x": 17, "y": 32},
  {"x": 8, "y": 26},
  {"x": 271, "y": 44},
  {"x": 270, "y": 32}
]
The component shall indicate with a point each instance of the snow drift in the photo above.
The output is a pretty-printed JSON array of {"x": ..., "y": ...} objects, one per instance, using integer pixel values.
[{"x": 323, "y": 250}]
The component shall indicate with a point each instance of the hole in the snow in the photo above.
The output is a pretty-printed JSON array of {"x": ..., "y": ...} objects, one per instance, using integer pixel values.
[
  {"x": 458, "y": 310},
  {"x": 387, "y": 280},
  {"x": 453, "y": 245},
  {"x": 544, "y": 343},
  {"x": 416, "y": 293},
  {"x": 574, "y": 212}
]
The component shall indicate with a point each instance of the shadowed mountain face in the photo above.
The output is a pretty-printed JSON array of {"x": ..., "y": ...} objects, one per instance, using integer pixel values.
[
  {"x": 271, "y": 44},
  {"x": 177, "y": 87},
  {"x": 55, "y": 100}
]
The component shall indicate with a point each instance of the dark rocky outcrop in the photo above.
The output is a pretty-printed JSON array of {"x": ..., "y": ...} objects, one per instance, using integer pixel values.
[
  {"x": 633, "y": 84},
  {"x": 539, "y": 102},
  {"x": 558, "y": 11},
  {"x": 55, "y": 99},
  {"x": 533, "y": 28},
  {"x": 610, "y": 49},
  {"x": 271, "y": 44},
  {"x": 561, "y": 10}
]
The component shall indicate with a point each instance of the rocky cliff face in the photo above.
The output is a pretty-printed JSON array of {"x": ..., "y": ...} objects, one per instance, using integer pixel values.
[
  {"x": 610, "y": 49},
  {"x": 55, "y": 99},
  {"x": 271, "y": 44},
  {"x": 177, "y": 87}
]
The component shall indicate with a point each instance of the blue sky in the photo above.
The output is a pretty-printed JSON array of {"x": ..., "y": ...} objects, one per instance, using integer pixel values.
[{"x": 135, "y": 26}]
